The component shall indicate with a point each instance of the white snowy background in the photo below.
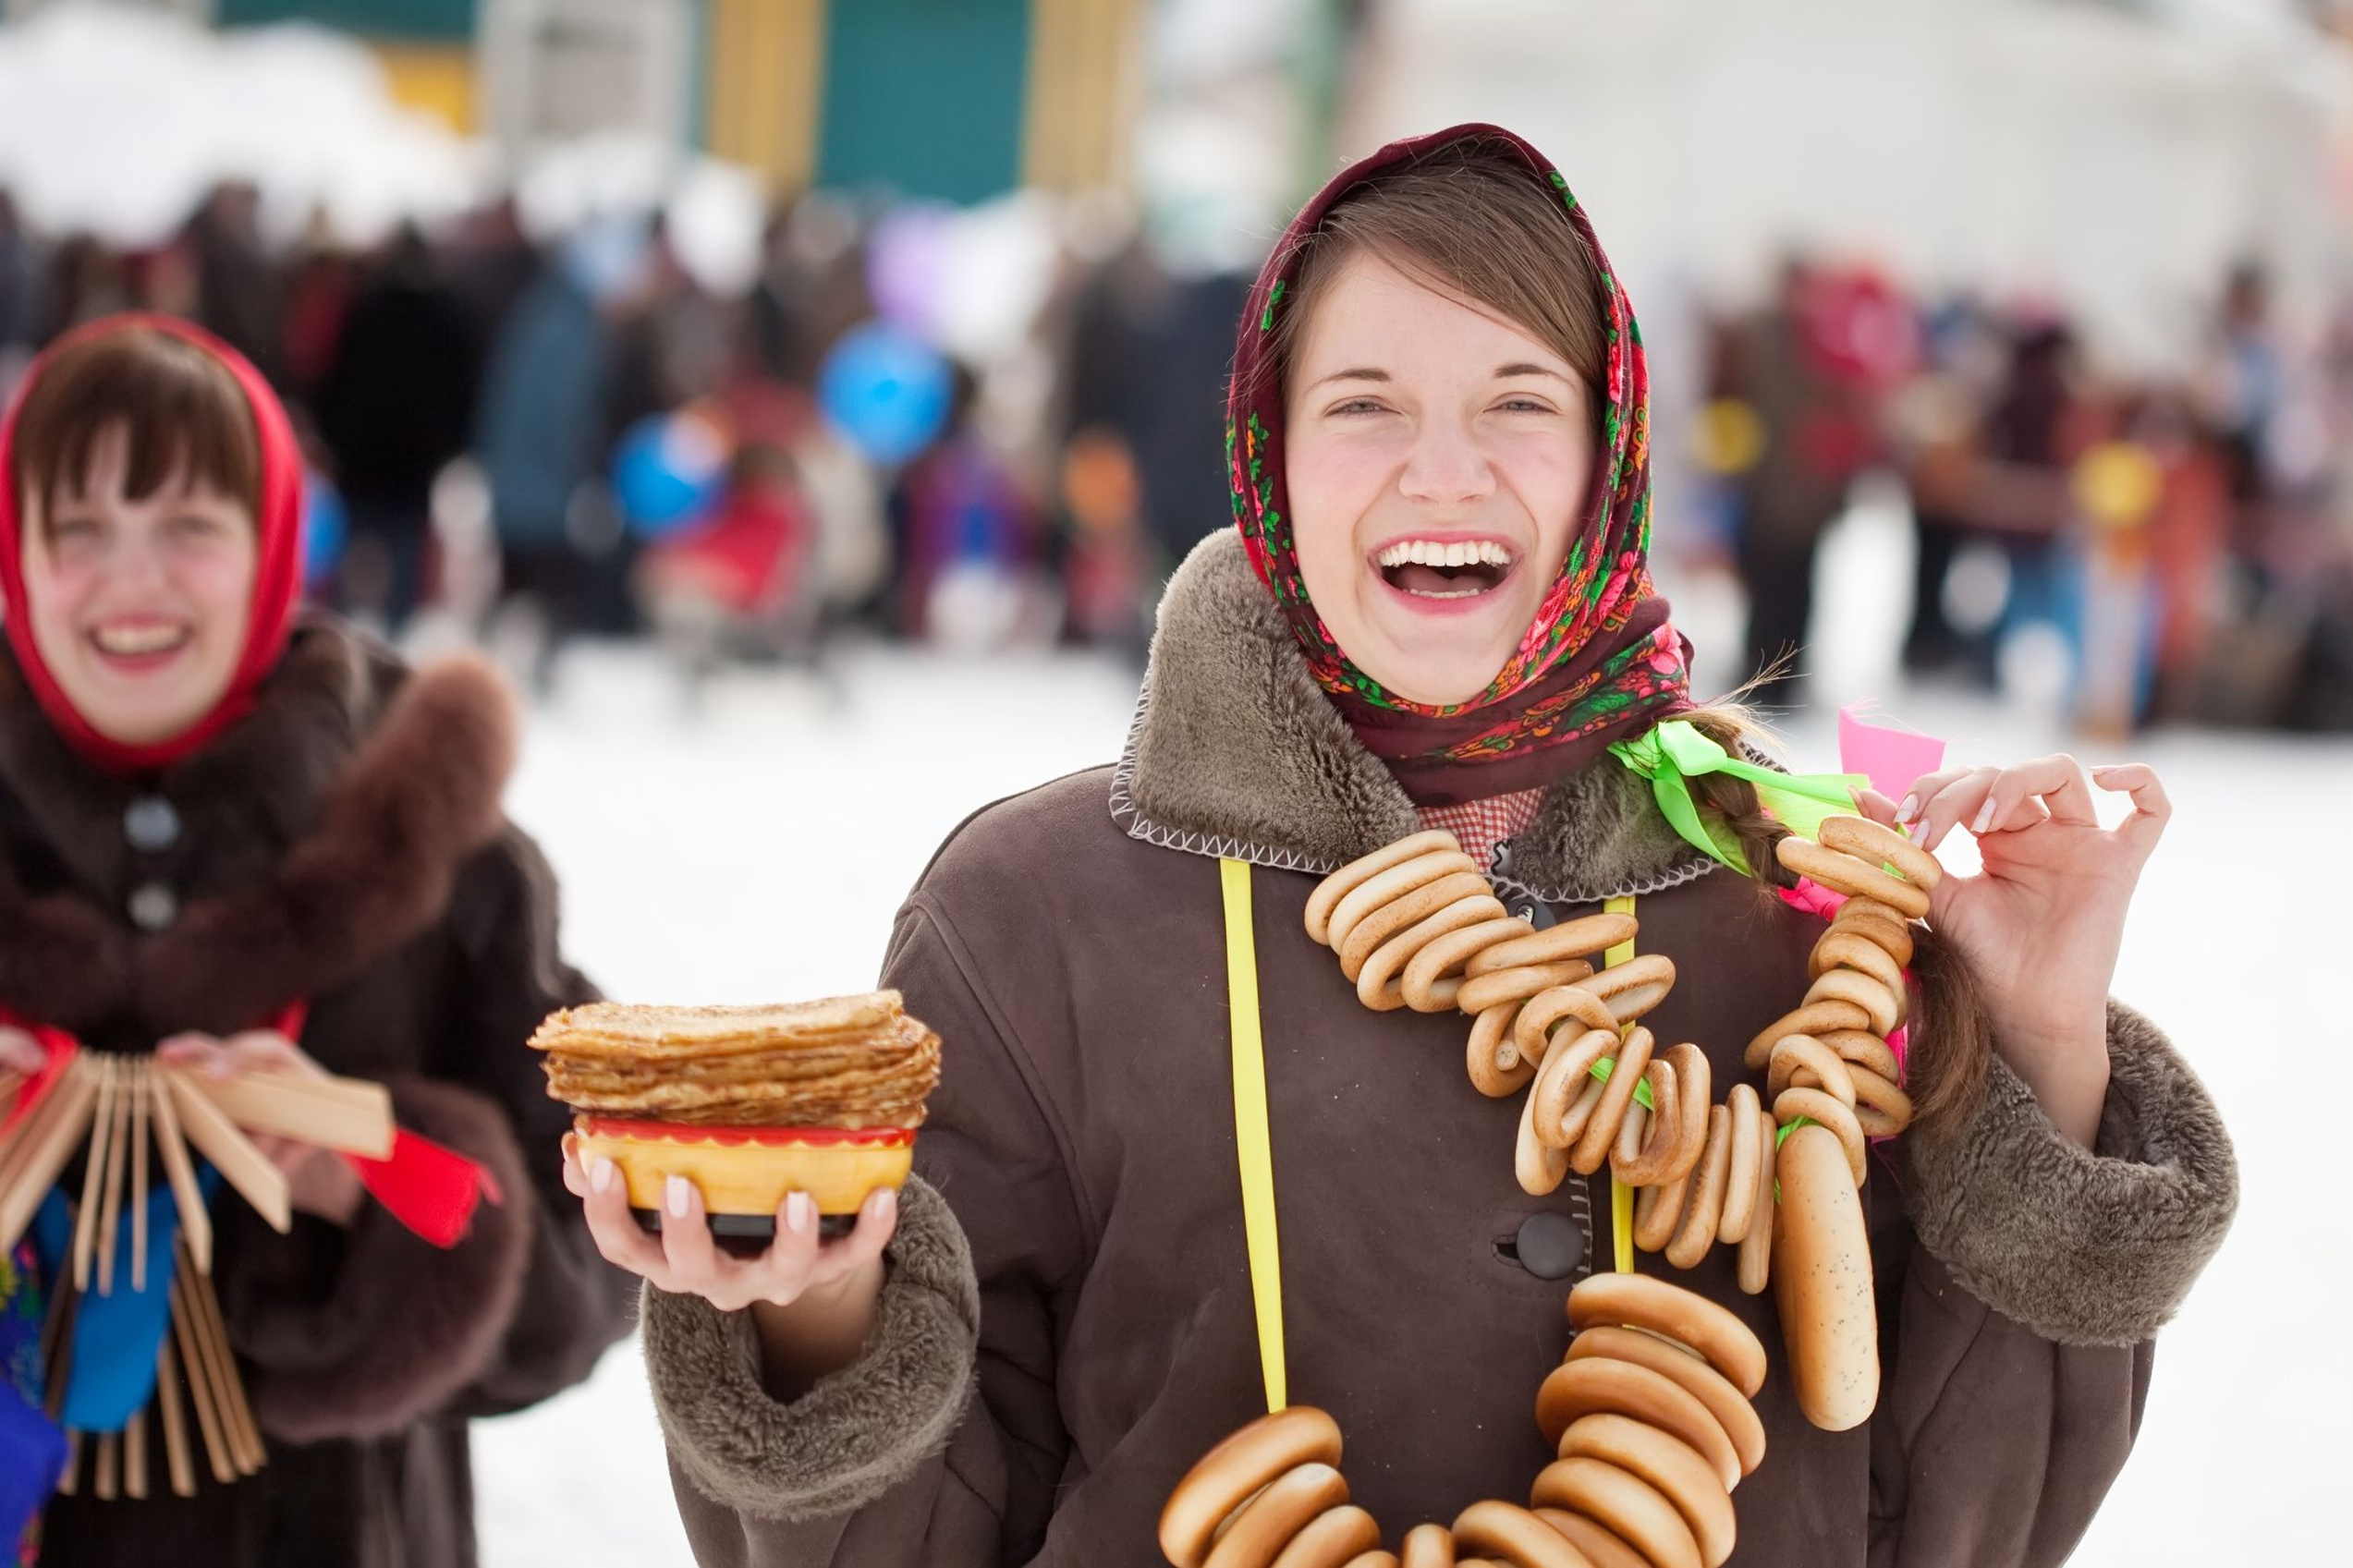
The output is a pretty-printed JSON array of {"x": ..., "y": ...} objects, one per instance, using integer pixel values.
[{"x": 759, "y": 851}]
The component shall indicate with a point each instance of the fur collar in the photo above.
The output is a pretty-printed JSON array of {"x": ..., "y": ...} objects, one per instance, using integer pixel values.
[
  {"x": 361, "y": 788},
  {"x": 1234, "y": 752}
]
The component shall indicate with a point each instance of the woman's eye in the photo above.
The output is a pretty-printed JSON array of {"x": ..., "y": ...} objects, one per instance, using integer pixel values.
[
  {"x": 1524, "y": 406},
  {"x": 73, "y": 527},
  {"x": 1357, "y": 405}
]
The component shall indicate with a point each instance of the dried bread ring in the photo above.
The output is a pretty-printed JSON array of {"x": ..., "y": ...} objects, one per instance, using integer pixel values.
[
  {"x": 1404, "y": 912},
  {"x": 1547, "y": 1008},
  {"x": 1386, "y": 888},
  {"x": 1564, "y": 1079},
  {"x": 1230, "y": 1474},
  {"x": 1818, "y": 1106},
  {"x": 1686, "y": 1317},
  {"x": 1740, "y": 1182},
  {"x": 1882, "y": 1109},
  {"x": 1510, "y": 1533},
  {"x": 1844, "y": 873},
  {"x": 1581, "y": 1110},
  {"x": 1703, "y": 1210},
  {"x": 1377, "y": 983},
  {"x": 1495, "y": 1066},
  {"x": 1859, "y": 908},
  {"x": 1580, "y": 938},
  {"x": 1890, "y": 933},
  {"x": 1373, "y": 1560},
  {"x": 1755, "y": 1247},
  {"x": 1822, "y": 1283},
  {"x": 1540, "y": 1166},
  {"x": 1629, "y": 1506},
  {"x": 1356, "y": 873},
  {"x": 1880, "y": 845},
  {"x": 1633, "y": 988},
  {"x": 1332, "y": 1539},
  {"x": 1847, "y": 948},
  {"x": 1731, "y": 1409},
  {"x": 1656, "y": 1212},
  {"x": 1593, "y": 1147},
  {"x": 1621, "y": 1387},
  {"x": 1515, "y": 986},
  {"x": 1657, "y": 1138},
  {"x": 1593, "y": 1540},
  {"x": 1793, "y": 1053},
  {"x": 1694, "y": 1087},
  {"x": 1670, "y": 1464},
  {"x": 1431, "y": 983},
  {"x": 1862, "y": 1049},
  {"x": 1267, "y": 1522},
  {"x": 1883, "y": 1006},
  {"x": 1427, "y": 1546},
  {"x": 1814, "y": 1018}
]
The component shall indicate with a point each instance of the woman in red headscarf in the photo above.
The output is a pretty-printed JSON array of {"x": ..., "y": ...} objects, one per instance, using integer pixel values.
[
  {"x": 246, "y": 839},
  {"x": 1435, "y": 611}
]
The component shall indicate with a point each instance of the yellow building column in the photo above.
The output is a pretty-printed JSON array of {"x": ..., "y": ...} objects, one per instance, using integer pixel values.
[
  {"x": 1081, "y": 93},
  {"x": 767, "y": 80}
]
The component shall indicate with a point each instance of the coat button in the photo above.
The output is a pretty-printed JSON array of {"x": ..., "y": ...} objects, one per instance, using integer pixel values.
[
  {"x": 1550, "y": 1245},
  {"x": 151, "y": 824},
  {"x": 153, "y": 906}
]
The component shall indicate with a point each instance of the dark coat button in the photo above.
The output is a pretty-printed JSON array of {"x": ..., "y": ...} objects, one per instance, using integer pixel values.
[
  {"x": 151, "y": 824},
  {"x": 153, "y": 906},
  {"x": 1550, "y": 1245}
]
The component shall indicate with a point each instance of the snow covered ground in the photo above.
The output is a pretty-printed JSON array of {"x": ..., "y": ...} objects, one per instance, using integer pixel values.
[{"x": 758, "y": 852}]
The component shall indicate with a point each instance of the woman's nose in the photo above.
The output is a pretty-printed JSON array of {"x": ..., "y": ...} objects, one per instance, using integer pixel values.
[{"x": 1446, "y": 468}]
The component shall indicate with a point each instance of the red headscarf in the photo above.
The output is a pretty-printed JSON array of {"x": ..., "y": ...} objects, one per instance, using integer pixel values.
[
  {"x": 1599, "y": 663},
  {"x": 278, "y": 566}
]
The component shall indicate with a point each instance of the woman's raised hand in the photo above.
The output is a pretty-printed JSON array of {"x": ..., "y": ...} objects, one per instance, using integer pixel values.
[{"x": 317, "y": 1181}]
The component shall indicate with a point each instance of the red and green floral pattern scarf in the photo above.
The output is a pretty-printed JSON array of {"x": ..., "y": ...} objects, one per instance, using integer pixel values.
[{"x": 1599, "y": 662}]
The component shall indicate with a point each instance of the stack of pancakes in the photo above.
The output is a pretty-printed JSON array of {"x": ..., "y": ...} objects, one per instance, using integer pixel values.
[
  {"x": 842, "y": 1061},
  {"x": 750, "y": 1104}
]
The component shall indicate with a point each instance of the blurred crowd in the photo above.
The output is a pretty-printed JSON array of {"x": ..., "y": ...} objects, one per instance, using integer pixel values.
[
  {"x": 534, "y": 438},
  {"x": 2174, "y": 546}
]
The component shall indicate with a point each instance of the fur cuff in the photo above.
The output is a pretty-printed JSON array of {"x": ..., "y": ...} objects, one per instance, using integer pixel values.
[
  {"x": 407, "y": 1326},
  {"x": 2084, "y": 1246},
  {"x": 855, "y": 1434}
]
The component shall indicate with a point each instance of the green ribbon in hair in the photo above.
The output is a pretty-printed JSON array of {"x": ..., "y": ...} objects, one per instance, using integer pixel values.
[{"x": 1675, "y": 753}]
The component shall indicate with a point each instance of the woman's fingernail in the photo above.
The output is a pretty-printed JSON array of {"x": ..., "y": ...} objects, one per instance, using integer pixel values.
[
  {"x": 881, "y": 1204},
  {"x": 1984, "y": 817},
  {"x": 678, "y": 1196},
  {"x": 601, "y": 1174},
  {"x": 1905, "y": 812},
  {"x": 799, "y": 1209}
]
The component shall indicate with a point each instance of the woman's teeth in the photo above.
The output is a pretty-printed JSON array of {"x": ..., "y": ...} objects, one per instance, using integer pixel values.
[
  {"x": 131, "y": 642},
  {"x": 1455, "y": 569},
  {"x": 1460, "y": 552}
]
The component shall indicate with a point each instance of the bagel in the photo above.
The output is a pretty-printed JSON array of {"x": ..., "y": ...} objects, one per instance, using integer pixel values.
[
  {"x": 1427, "y": 1546},
  {"x": 1356, "y": 873},
  {"x": 1756, "y": 1246},
  {"x": 1884, "y": 1007},
  {"x": 1792, "y": 1053},
  {"x": 1703, "y": 1210},
  {"x": 1656, "y": 1140},
  {"x": 1685, "y": 1317},
  {"x": 1540, "y": 1166},
  {"x": 1694, "y": 1087},
  {"x": 1635, "y": 987},
  {"x": 1884, "y": 928},
  {"x": 1636, "y": 1129},
  {"x": 1429, "y": 981},
  {"x": 1266, "y": 1524},
  {"x": 1741, "y": 1181},
  {"x": 1846, "y": 948},
  {"x": 1495, "y": 1066},
  {"x": 1824, "y": 1110},
  {"x": 1842, "y": 873},
  {"x": 1510, "y": 1533},
  {"x": 1401, "y": 915},
  {"x": 1657, "y": 1210},
  {"x": 1593, "y": 1144},
  {"x": 1860, "y": 1048},
  {"x": 1547, "y": 1008},
  {"x": 1332, "y": 1539},
  {"x": 1732, "y": 1410},
  {"x": 1373, "y": 1560},
  {"x": 1671, "y": 1465},
  {"x": 1813, "y": 1018},
  {"x": 1880, "y": 845},
  {"x": 1630, "y": 1507},
  {"x": 1581, "y": 1110},
  {"x": 1564, "y": 1082},
  {"x": 1593, "y": 1540},
  {"x": 1379, "y": 982},
  {"x": 1598, "y": 1384},
  {"x": 1499, "y": 986},
  {"x": 1580, "y": 938},
  {"x": 1821, "y": 1281},
  {"x": 1881, "y": 1109},
  {"x": 1388, "y": 887},
  {"x": 1228, "y": 1474}
]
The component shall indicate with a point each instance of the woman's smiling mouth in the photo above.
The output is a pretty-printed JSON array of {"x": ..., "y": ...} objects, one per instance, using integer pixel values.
[{"x": 1443, "y": 571}]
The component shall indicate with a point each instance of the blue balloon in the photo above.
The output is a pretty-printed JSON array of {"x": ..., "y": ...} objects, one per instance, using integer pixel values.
[
  {"x": 668, "y": 471},
  {"x": 886, "y": 391},
  {"x": 325, "y": 530}
]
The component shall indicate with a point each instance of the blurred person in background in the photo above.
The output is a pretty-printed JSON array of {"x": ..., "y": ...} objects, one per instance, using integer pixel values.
[
  {"x": 738, "y": 584},
  {"x": 2038, "y": 424},
  {"x": 1935, "y": 421},
  {"x": 394, "y": 405},
  {"x": 247, "y": 839},
  {"x": 321, "y": 278},
  {"x": 24, "y": 305},
  {"x": 240, "y": 297},
  {"x": 969, "y": 545}
]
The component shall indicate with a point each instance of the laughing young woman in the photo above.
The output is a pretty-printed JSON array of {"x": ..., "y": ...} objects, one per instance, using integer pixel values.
[{"x": 1435, "y": 611}]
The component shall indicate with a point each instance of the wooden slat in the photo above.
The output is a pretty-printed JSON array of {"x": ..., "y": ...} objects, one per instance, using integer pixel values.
[
  {"x": 142, "y": 1089},
  {"x": 195, "y": 1224},
  {"x": 117, "y": 1135},
  {"x": 43, "y": 1147},
  {"x": 243, "y": 1166},
  {"x": 349, "y": 1116},
  {"x": 236, "y": 1416},
  {"x": 135, "y": 1456},
  {"x": 94, "y": 1173},
  {"x": 177, "y": 1458},
  {"x": 200, "y": 1387}
]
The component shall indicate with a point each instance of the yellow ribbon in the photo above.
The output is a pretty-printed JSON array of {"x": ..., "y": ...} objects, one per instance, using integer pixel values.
[
  {"x": 1621, "y": 1195},
  {"x": 1251, "y": 1136}
]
